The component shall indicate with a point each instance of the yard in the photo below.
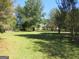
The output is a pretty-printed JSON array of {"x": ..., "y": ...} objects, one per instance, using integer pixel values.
[{"x": 37, "y": 45}]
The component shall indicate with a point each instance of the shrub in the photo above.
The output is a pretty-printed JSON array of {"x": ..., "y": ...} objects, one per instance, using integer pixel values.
[{"x": 2, "y": 30}]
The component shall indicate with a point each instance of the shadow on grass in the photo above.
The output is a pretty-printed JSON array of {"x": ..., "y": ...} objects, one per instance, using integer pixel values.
[
  {"x": 56, "y": 45},
  {"x": 45, "y": 36}
]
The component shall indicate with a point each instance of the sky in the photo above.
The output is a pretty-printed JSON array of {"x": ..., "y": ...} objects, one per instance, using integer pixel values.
[{"x": 47, "y": 4}]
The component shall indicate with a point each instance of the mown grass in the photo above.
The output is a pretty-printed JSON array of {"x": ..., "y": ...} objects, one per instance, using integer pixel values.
[{"x": 37, "y": 45}]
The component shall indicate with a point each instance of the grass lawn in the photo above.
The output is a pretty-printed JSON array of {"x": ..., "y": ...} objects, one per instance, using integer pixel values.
[{"x": 37, "y": 45}]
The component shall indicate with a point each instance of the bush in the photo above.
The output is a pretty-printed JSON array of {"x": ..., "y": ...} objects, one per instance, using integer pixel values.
[{"x": 2, "y": 30}]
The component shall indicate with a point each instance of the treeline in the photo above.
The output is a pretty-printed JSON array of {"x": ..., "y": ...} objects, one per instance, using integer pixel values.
[
  {"x": 66, "y": 17},
  {"x": 24, "y": 18},
  {"x": 30, "y": 17}
]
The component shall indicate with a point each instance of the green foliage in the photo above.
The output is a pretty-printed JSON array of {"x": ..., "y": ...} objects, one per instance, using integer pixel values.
[
  {"x": 6, "y": 13},
  {"x": 66, "y": 16},
  {"x": 2, "y": 29},
  {"x": 70, "y": 15},
  {"x": 33, "y": 10},
  {"x": 72, "y": 20},
  {"x": 57, "y": 19},
  {"x": 31, "y": 13}
]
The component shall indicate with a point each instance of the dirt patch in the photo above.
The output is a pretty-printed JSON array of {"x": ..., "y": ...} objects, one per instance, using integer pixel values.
[{"x": 3, "y": 45}]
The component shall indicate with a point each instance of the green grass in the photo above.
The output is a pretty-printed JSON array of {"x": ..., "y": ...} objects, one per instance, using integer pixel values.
[{"x": 37, "y": 45}]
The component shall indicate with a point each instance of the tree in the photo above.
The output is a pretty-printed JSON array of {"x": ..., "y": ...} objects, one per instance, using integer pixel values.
[
  {"x": 29, "y": 15},
  {"x": 69, "y": 6},
  {"x": 63, "y": 9},
  {"x": 20, "y": 17},
  {"x": 33, "y": 12},
  {"x": 6, "y": 13},
  {"x": 56, "y": 16}
]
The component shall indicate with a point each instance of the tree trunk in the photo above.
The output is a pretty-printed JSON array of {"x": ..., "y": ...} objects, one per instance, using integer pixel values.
[
  {"x": 59, "y": 31},
  {"x": 72, "y": 34},
  {"x": 33, "y": 29}
]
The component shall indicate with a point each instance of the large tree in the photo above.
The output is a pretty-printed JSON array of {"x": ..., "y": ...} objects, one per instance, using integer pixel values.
[
  {"x": 57, "y": 17},
  {"x": 6, "y": 13},
  {"x": 33, "y": 12},
  {"x": 69, "y": 6}
]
